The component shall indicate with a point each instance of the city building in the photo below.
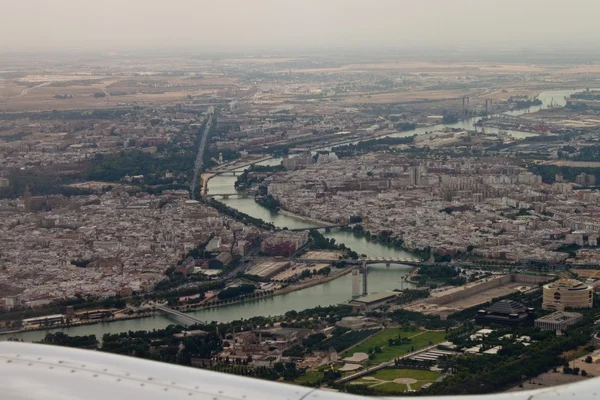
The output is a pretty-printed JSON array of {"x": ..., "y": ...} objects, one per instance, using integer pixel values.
[
  {"x": 584, "y": 179},
  {"x": 11, "y": 302},
  {"x": 567, "y": 293},
  {"x": 558, "y": 321},
  {"x": 293, "y": 163},
  {"x": 283, "y": 245},
  {"x": 45, "y": 321},
  {"x": 506, "y": 312},
  {"x": 372, "y": 301}
]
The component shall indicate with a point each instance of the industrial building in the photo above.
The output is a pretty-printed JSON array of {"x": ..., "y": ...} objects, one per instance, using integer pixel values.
[
  {"x": 567, "y": 293},
  {"x": 372, "y": 301},
  {"x": 506, "y": 312},
  {"x": 268, "y": 269},
  {"x": 283, "y": 244},
  {"x": 558, "y": 321},
  {"x": 47, "y": 320}
]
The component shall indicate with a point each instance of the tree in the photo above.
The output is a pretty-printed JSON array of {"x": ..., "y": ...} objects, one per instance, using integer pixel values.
[
  {"x": 588, "y": 359},
  {"x": 215, "y": 264}
]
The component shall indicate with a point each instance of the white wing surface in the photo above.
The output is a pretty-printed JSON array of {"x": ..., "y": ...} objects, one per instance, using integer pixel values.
[{"x": 44, "y": 372}]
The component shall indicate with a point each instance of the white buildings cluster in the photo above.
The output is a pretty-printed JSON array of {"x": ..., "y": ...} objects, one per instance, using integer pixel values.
[
  {"x": 105, "y": 245},
  {"x": 490, "y": 207}
]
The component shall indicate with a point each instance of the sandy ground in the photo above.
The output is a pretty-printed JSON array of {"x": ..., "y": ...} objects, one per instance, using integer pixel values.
[
  {"x": 559, "y": 378},
  {"x": 421, "y": 66},
  {"x": 322, "y": 255},
  {"x": 567, "y": 163},
  {"x": 546, "y": 380},
  {"x": 471, "y": 301},
  {"x": 484, "y": 296}
]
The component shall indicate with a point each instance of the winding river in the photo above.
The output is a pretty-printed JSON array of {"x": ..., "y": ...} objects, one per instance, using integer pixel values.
[{"x": 333, "y": 292}]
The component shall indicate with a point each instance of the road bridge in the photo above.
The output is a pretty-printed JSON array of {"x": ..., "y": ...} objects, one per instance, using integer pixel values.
[
  {"x": 317, "y": 227},
  {"x": 322, "y": 227},
  {"x": 227, "y": 195},
  {"x": 413, "y": 262},
  {"x": 228, "y": 173},
  {"x": 186, "y": 319}
]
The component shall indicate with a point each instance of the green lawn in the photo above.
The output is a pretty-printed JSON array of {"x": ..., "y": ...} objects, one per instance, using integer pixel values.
[
  {"x": 391, "y": 388},
  {"x": 310, "y": 377},
  {"x": 381, "y": 339},
  {"x": 389, "y": 374},
  {"x": 418, "y": 342}
]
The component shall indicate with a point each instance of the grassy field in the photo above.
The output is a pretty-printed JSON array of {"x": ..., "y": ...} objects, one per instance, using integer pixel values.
[
  {"x": 382, "y": 380},
  {"x": 381, "y": 339},
  {"x": 310, "y": 377},
  {"x": 420, "y": 339},
  {"x": 391, "y": 388},
  {"x": 389, "y": 374}
]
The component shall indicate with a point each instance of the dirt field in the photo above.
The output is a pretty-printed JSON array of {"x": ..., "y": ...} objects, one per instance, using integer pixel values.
[
  {"x": 424, "y": 66},
  {"x": 484, "y": 296},
  {"x": 322, "y": 255},
  {"x": 546, "y": 380},
  {"x": 567, "y": 163},
  {"x": 37, "y": 92}
]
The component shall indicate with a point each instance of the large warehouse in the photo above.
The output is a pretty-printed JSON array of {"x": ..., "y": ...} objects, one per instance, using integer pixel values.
[{"x": 567, "y": 293}]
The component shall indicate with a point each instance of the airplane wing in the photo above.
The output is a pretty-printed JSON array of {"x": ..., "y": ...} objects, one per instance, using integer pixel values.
[{"x": 44, "y": 372}]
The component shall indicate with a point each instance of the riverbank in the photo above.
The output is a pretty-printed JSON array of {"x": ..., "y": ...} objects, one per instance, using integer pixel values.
[
  {"x": 286, "y": 290},
  {"x": 81, "y": 323},
  {"x": 312, "y": 283}
]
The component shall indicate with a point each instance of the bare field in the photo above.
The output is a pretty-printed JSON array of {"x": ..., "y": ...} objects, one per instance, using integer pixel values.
[
  {"x": 408, "y": 96},
  {"x": 567, "y": 163},
  {"x": 484, "y": 296},
  {"x": 43, "y": 98},
  {"x": 429, "y": 307},
  {"x": 423, "y": 66},
  {"x": 586, "y": 273}
]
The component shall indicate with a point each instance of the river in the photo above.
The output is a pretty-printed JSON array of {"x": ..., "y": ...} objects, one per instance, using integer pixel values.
[{"x": 333, "y": 292}]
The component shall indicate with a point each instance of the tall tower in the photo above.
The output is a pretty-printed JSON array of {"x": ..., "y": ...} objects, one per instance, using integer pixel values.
[
  {"x": 365, "y": 273},
  {"x": 415, "y": 176},
  {"x": 355, "y": 282},
  {"x": 27, "y": 199}
]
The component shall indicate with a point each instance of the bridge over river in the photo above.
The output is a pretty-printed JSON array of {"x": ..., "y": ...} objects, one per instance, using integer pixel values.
[
  {"x": 367, "y": 261},
  {"x": 180, "y": 317}
]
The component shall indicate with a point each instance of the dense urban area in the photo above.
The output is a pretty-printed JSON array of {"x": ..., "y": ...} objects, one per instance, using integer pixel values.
[{"x": 373, "y": 227}]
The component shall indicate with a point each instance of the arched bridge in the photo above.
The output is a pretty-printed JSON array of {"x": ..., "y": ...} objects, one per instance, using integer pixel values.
[
  {"x": 186, "y": 319},
  {"x": 227, "y": 195}
]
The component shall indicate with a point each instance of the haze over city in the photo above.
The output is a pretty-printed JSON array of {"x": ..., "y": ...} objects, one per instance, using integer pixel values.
[
  {"x": 275, "y": 25},
  {"x": 299, "y": 199}
]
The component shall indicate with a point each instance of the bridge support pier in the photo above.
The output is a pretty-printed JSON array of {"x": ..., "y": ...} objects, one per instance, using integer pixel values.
[
  {"x": 365, "y": 273},
  {"x": 387, "y": 265}
]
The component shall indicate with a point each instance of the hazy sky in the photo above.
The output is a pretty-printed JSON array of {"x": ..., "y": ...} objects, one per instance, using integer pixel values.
[{"x": 48, "y": 25}]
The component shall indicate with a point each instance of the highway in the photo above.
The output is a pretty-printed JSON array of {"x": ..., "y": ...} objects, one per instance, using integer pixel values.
[{"x": 199, "y": 157}]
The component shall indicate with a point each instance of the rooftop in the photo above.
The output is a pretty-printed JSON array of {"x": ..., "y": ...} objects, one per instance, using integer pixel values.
[
  {"x": 559, "y": 316},
  {"x": 375, "y": 297}
]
